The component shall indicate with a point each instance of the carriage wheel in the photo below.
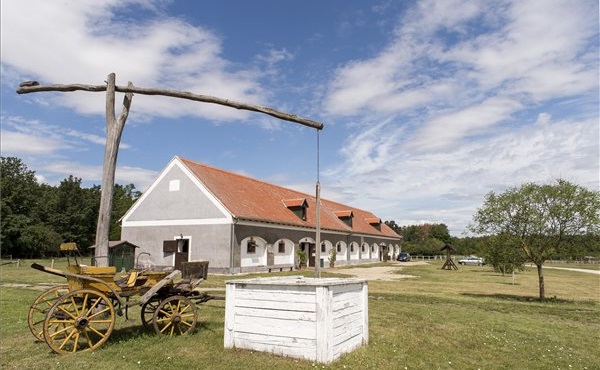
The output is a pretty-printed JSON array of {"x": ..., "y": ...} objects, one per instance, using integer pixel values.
[
  {"x": 175, "y": 315},
  {"x": 39, "y": 308},
  {"x": 147, "y": 313},
  {"x": 81, "y": 320}
]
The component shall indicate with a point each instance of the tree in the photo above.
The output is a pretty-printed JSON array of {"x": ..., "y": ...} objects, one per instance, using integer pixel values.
[
  {"x": 18, "y": 189},
  {"x": 504, "y": 254},
  {"x": 123, "y": 199},
  {"x": 440, "y": 232},
  {"x": 74, "y": 212},
  {"x": 540, "y": 219},
  {"x": 39, "y": 240}
]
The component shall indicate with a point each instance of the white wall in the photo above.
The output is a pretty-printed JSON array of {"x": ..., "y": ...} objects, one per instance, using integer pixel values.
[
  {"x": 354, "y": 248},
  {"x": 341, "y": 255},
  {"x": 259, "y": 258},
  {"x": 286, "y": 258}
]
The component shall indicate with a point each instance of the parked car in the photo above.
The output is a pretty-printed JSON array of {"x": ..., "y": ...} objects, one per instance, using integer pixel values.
[
  {"x": 403, "y": 257},
  {"x": 472, "y": 260}
]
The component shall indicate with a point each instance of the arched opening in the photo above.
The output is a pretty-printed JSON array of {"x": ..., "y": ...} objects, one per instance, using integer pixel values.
[
  {"x": 283, "y": 252},
  {"x": 307, "y": 246},
  {"x": 253, "y": 252}
]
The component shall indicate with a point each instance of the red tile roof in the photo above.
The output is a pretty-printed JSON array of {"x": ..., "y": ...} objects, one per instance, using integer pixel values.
[{"x": 253, "y": 200}]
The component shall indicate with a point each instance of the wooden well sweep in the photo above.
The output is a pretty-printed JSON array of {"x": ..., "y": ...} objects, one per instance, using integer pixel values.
[{"x": 314, "y": 319}]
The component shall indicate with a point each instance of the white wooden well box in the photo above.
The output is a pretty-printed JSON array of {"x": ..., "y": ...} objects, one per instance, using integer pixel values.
[{"x": 314, "y": 319}]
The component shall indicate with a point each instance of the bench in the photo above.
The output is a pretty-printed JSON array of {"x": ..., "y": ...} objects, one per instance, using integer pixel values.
[{"x": 281, "y": 267}]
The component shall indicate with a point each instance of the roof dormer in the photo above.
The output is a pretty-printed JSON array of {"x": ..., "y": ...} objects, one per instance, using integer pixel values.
[
  {"x": 375, "y": 222},
  {"x": 346, "y": 216},
  {"x": 297, "y": 205}
]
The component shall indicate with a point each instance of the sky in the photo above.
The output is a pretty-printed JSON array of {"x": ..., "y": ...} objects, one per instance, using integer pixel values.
[{"x": 427, "y": 105}]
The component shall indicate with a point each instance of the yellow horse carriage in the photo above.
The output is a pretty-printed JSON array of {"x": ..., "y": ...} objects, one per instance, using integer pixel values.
[{"x": 81, "y": 315}]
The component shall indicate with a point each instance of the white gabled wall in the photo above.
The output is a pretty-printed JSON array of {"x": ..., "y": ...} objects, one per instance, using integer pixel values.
[
  {"x": 177, "y": 197},
  {"x": 178, "y": 203}
]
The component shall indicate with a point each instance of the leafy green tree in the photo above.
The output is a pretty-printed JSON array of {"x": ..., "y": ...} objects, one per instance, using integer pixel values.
[
  {"x": 504, "y": 254},
  {"x": 39, "y": 240},
  {"x": 540, "y": 219},
  {"x": 123, "y": 199},
  {"x": 425, "y": 239},
  {"x": 440, "y": 232},
  {"x": 74, "y": 212},
  {"x": 392, "y": 224},
  {"x": 18, "y": 195},
  {"x": 36, "y": 218}
]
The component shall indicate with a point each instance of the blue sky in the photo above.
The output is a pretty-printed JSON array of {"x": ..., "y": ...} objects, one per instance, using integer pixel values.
[{"x": 427, "y": 105}]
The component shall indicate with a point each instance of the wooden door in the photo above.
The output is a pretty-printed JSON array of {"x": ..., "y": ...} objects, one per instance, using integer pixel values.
[{"x": 182, "y": 254}]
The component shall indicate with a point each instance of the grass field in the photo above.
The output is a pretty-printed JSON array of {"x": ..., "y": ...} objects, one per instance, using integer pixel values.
[{"x": 472, "y": 318}]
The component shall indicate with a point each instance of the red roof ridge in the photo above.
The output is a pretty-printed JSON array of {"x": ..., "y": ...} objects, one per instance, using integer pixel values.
[{"x": 247, "y": 177}]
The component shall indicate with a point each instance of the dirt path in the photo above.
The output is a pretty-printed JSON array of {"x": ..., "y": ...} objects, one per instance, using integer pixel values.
[
  {"x": 380, "y": 272},
  {"x": 387, "y": 273},
  {"x": 40, "y": 287},
  {"x": 588, "y": 271}
]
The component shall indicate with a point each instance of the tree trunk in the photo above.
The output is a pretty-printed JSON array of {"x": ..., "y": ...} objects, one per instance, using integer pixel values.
[
  {"x": 114, "y": 129},
  {"x": 541, "y": 282}
]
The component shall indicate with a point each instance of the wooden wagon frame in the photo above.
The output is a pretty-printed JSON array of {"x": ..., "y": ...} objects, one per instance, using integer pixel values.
[{"x": 81, "y": 315}]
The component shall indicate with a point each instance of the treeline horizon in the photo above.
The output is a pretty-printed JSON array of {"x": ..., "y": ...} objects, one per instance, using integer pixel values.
[
  {"x": 428, "y": 239},
  {"x": 36, "y": 218}
]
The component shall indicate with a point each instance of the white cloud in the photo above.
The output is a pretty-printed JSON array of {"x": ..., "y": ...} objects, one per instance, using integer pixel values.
[
  {"x": 447, "y": 129},
  {"x": 274, "y": 56},
  {"x": 449, "y": 185},
  {"x": 83, "y": 41},
  {"x": 466, "y": 94},
  {"x": 142, "y": 178},
  {"x": 448, "y": 58},
  {"x": 17, "y": 144},
  {"x": 22, "y": 137}
]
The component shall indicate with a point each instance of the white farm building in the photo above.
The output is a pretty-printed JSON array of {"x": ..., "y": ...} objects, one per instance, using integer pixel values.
[{"x": 197, "y": 212}]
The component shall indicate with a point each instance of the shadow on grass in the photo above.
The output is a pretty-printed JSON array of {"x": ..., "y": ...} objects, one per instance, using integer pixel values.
[
  {"x": 518, "y": 298},
  {"x": 138, "y": 331}
]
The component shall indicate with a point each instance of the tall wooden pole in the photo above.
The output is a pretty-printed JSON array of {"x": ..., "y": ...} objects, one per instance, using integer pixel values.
[{"x": 114, "y": 130}]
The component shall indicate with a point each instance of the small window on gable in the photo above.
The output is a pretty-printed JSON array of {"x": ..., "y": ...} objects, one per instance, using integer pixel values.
[
  {"x": 298, "y": 206},
  {"x": 281, "y": 248},
  {"x": 174, "y": 185},
  {"x": 251, "y": 246},
  {"x": 346, "y": 216}
]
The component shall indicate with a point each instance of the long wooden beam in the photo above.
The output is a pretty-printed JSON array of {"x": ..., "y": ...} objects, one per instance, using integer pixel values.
[{"x": 32, "y": 86}]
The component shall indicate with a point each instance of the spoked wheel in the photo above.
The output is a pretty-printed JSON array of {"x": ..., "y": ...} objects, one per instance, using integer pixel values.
[
  {"x": 41, "y": 306},
  {"x": 81, "y": 320},
  {"x": 147, "y": 313},
  {"x": 175, "y": 315}
]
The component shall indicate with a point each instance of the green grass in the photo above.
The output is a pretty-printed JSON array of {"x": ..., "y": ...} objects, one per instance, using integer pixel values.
[{"x": 472, "y": 318}]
